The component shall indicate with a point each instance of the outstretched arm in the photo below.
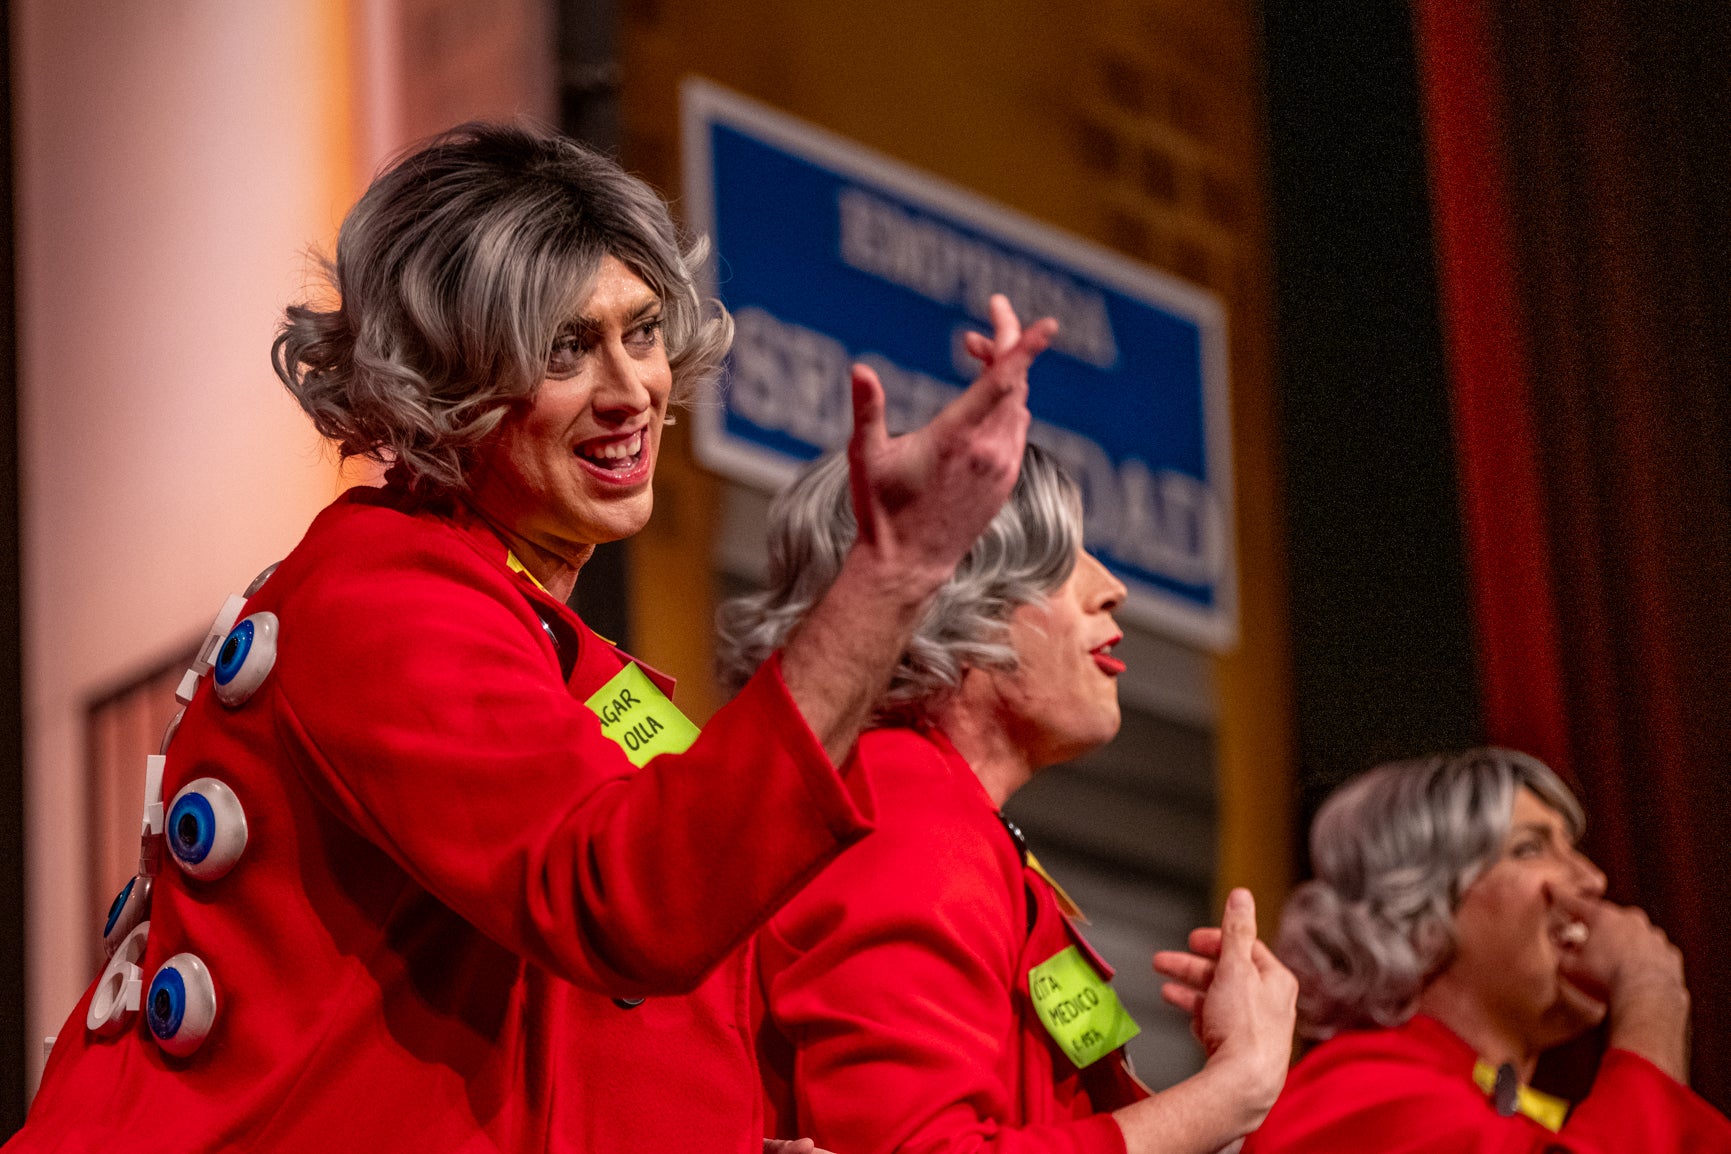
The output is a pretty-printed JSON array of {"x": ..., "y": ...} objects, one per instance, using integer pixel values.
[{"x": 920, "y": 500}]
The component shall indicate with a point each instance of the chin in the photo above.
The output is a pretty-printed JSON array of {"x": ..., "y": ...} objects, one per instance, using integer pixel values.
[{"x": 618, "y": 523}]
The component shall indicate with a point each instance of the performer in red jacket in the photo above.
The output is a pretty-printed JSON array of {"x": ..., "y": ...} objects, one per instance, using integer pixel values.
[
  {"x": 928, "y": 991},
  {"x": 405, "y": 885},
  {"x": 1452, "y": 935}
]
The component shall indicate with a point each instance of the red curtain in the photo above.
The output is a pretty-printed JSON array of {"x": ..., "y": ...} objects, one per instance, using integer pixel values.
[{"x": 1582, "y": 193}]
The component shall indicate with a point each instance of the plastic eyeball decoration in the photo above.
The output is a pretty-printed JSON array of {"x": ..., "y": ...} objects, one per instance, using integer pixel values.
[
  {"x": 117, "y": 992},
  {"x": 246, "y": 657},
  {"x": 130, "y": 907},
  {"x": 206, "y": 829},
  {"x": 172, "y": 729},
  {"x": 181, "y": 1004},
  {"x": 258, "y": 582}
]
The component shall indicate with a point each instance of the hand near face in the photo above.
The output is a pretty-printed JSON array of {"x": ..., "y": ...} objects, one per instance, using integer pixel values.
[
  {"x": 1241, "y": 1000},
  {"x": 1629, "y": 963},
  {"x": 921, "y": 499}
]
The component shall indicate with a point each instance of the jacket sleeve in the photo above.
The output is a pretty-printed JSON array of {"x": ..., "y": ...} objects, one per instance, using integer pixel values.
[
  {"x": 892, "y": 978},
  {"x": 1636, "y": 1106},
  {"x": 425, "y": 706}
]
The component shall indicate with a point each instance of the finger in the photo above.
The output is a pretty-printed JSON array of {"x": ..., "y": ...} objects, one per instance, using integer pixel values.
[
  {"x": 1238, "y": 929},
  {"x": 1186, "y": 968},
  {"x": 1578, "y": 906},
  {"x": 1006, "y": 328},
  {"x": 868, "y": 410},
  {"x": 1205, "y": 940},
  {"x": 993, "y": 392},
  {"x": 979, "y": 346},
  {"x": 1182, "y": 997},
  {"x": 1037, "y": 337}
]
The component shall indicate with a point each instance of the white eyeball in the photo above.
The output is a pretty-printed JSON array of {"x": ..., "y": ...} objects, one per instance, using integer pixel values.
[
  {"x": 181, "y": 1004},
  {"x": 206, "y": 829},
  {"x": 246, "y": 657},
  {"x": 121, "y": 986},
  {"x": 130, "y": 907}
]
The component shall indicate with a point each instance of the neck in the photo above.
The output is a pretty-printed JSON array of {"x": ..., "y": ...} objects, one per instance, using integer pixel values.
[
  {"x": 985, "y": 743},
  {"x": 557, "y": 572},
  {"x": 1494, "y": 1041}
]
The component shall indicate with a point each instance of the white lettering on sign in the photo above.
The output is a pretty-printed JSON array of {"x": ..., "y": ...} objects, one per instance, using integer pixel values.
[
  {"x": 793, "y": 380},
  {"x": 790, "y": 378},
  {"x": 951, "y": 268}
]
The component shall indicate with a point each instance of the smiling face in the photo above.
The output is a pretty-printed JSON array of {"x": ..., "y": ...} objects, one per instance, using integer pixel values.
[
  {"x": 1512, "y": 935},
  {"x": 571, "y": 468},
  {"x": 1062, "y": 698}
]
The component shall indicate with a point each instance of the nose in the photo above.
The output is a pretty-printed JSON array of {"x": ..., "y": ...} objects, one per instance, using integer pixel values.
[
  {"x": 1105, "y": 591},
  {"x": 621, "y": 383},
  {"x": 1588, "y": 876}
]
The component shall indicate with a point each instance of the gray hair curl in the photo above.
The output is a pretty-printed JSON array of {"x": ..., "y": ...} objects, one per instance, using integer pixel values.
[
  {"x": 1394, "y": 850},
  {"x": 1026, "y": 552},
  {"x": 453, "y": 275}
]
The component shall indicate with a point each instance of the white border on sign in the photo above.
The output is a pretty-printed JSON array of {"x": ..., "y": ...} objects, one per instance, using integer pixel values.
[{"x": 704, "y": 103}]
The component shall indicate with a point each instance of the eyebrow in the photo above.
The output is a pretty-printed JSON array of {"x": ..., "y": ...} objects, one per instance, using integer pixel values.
[{"x": 650, "y": 304}]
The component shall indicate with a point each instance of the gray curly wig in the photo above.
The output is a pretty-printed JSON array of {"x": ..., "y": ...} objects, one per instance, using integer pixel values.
[
  {"x": 1027, "y": 551},
  {"x": 453, "y": 276},
  {"x": 1394, "y": 850}
]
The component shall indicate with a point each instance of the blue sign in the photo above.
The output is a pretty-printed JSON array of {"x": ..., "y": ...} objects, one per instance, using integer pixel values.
[{"x": 829, "y": 253}]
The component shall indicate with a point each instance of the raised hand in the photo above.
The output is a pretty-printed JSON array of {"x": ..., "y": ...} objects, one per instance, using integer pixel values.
[
  {"x": 1631, "y": 965},
  {"x": 921, "y": 499},
  {"x": 1242, "y": 1001}
]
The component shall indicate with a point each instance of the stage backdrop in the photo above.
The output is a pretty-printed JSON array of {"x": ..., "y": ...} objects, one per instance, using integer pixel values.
[{"x": 1580, "y": 182}]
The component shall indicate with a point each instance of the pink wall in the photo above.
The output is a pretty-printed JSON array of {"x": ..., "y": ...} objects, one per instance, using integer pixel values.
[{"x": 175, "y": 159}]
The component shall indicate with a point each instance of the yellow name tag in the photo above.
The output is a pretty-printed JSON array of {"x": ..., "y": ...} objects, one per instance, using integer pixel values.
[
  {"x": 640, "y": 718},
  {"x": 1079, "y": 1009}
]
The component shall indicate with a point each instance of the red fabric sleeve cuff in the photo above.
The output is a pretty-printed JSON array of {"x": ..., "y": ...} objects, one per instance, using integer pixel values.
[
  {"x": 843, "y": 798},
  {"x": 1100, "y": 1135}
]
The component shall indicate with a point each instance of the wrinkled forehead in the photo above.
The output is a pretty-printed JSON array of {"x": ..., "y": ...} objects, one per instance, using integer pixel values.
[{"x": 603, "y": 282}]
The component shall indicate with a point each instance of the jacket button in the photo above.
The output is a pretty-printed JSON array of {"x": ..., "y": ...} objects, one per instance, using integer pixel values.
[{"x": 627, "y": 1003}]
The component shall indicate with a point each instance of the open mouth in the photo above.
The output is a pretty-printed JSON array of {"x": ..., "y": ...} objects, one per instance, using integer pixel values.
[
  {"x": 1569, "y": 934},
  {"x": 620, "y": 458},
  {"x": 1102, "y": 655}
]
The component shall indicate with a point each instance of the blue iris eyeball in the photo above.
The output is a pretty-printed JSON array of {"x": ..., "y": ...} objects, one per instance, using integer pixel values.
[
  {"x": 118, "y": 991},
  {"x": 130, "y": 907},
  {"x": 181, "y": 1004},
  {"x": 206, "y": 829},
  {"x": 246, "y": 657}
]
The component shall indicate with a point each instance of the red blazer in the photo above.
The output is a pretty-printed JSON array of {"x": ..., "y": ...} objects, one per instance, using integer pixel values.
[
  {"x": 1410, "y": 1090},
  {"x": 451, "y": 875},
  {"x": 896, "y": 1013}
]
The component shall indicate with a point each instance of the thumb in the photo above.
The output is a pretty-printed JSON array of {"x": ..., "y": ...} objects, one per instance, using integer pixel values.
[
  {"x": 868, "y": 411},
  {"x": 1238, "y": 929}
]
